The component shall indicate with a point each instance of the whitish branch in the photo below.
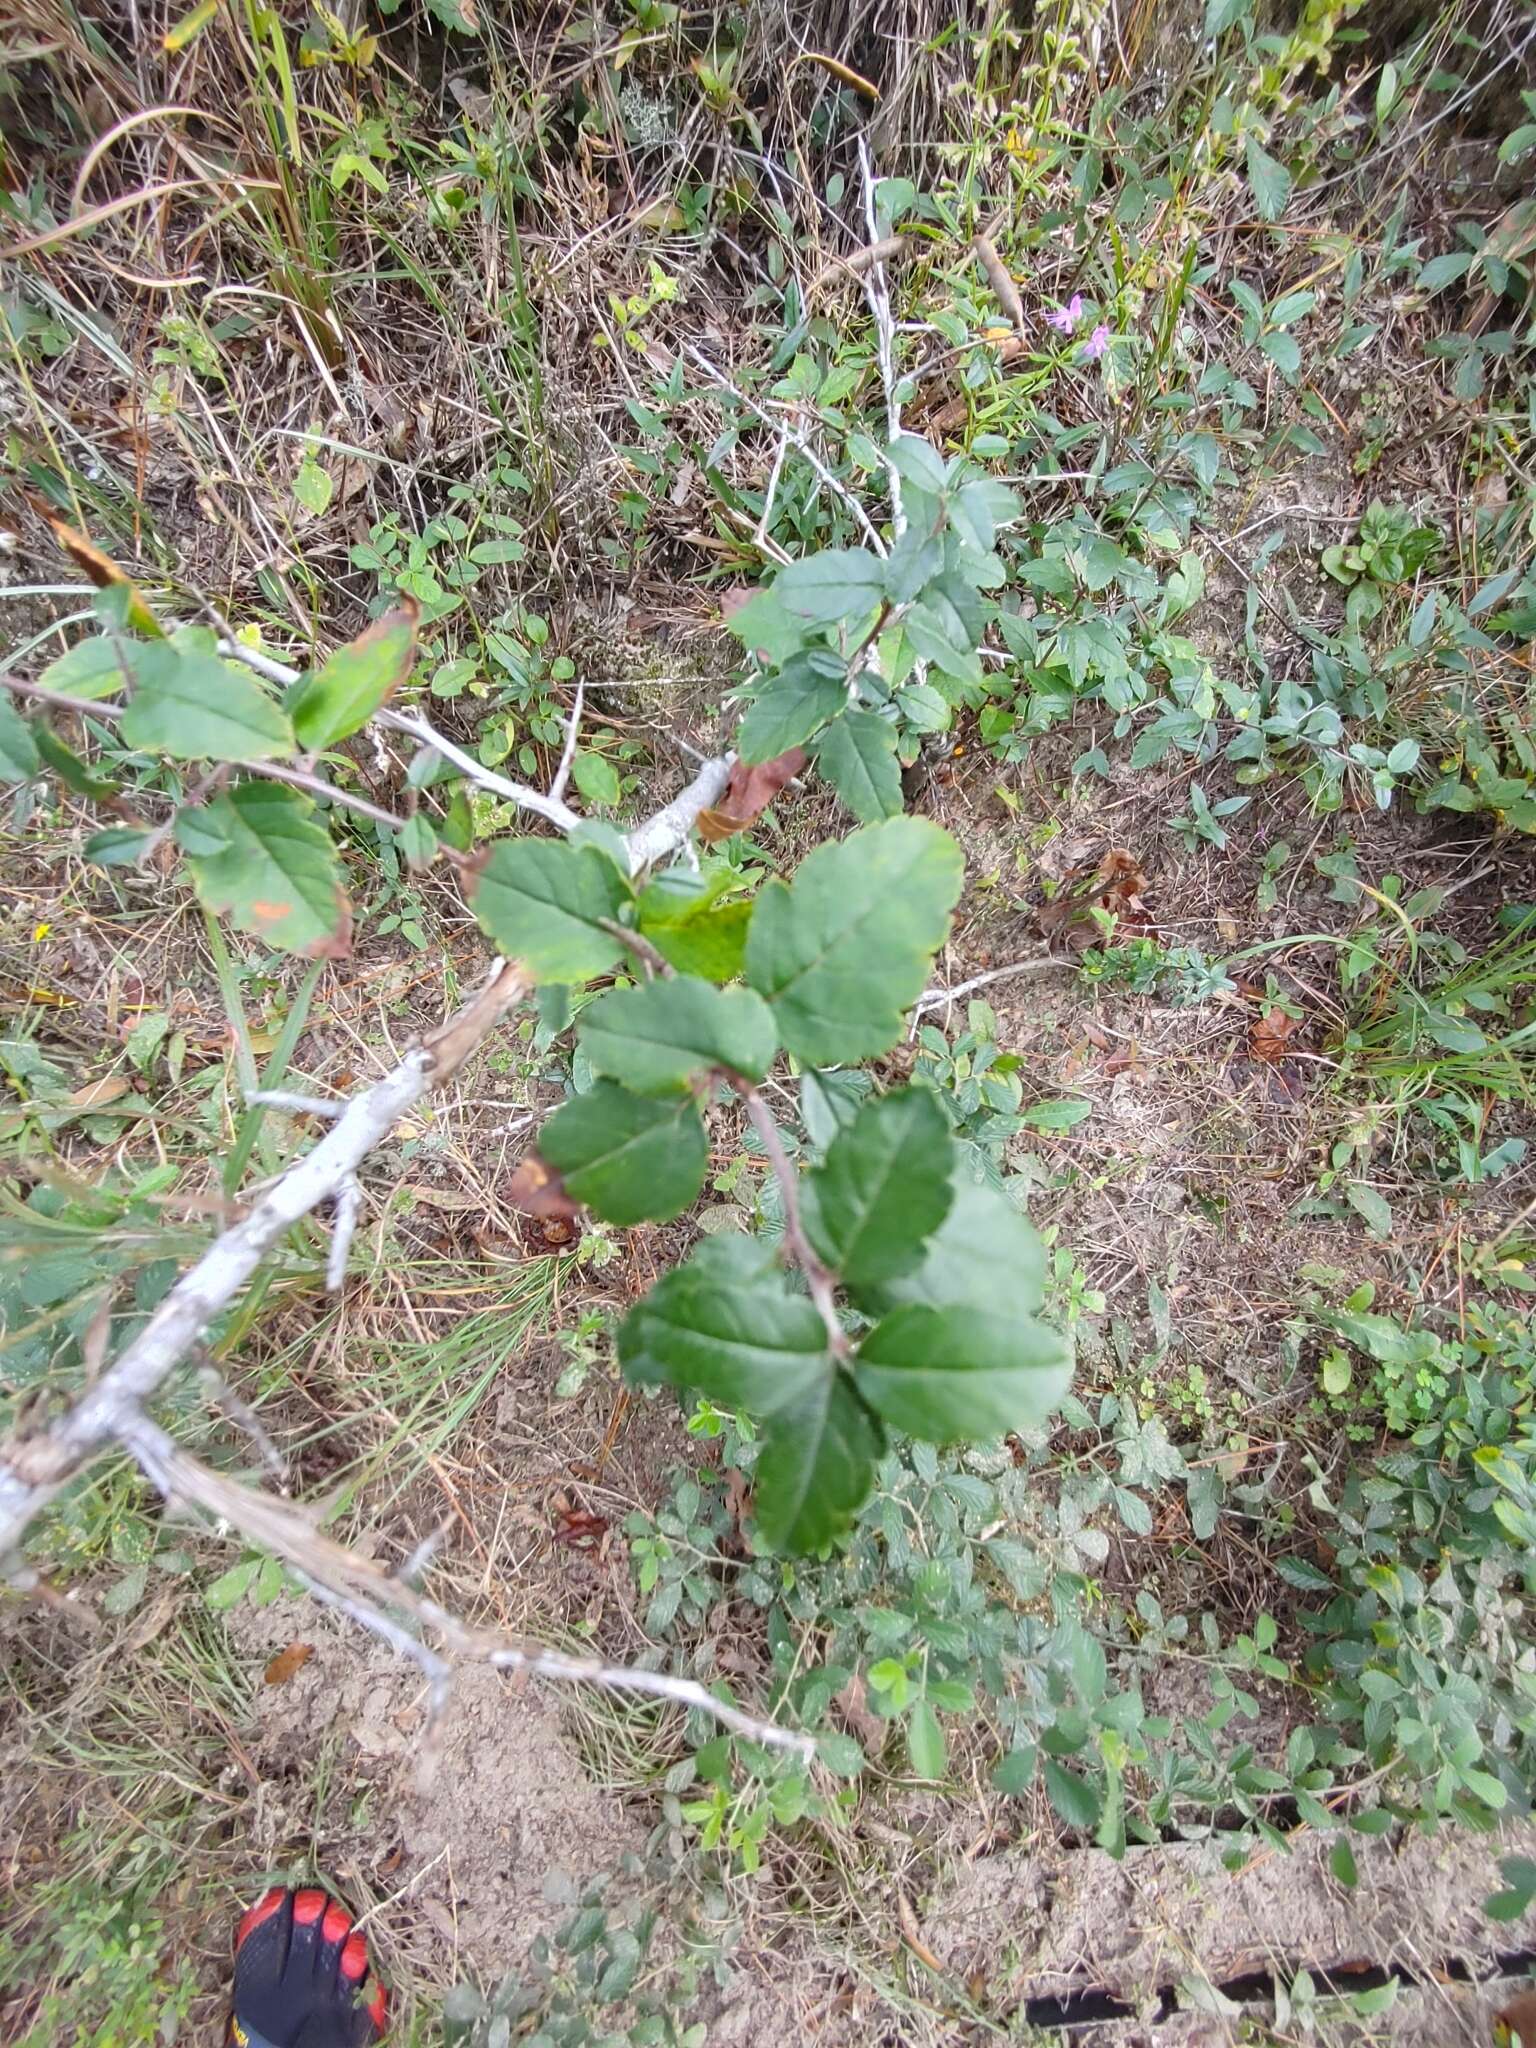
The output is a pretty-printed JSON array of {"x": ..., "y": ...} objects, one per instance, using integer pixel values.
[
  {"x": 666, "y": 831},
  {"x": 373, "y": 1598},
  {"x": 568, "y": 752},
  {"x": 797, "y": 439},
  {"x": 878, "y": 293},
  {"x": 422, "y": 730},
  {"x": 33, "y": 1470}
]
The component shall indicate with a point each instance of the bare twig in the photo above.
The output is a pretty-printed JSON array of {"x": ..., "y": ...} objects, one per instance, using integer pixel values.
[
  {"x": 300, "y": 1105},
  {"x": 32, "y": 1471},
  {"x": 367, "y": 1593},
  {"x": 877, "y": 292},
  {"x": 817, "y": 1277},
  {"x": 937, "y": 998},
  {"x": 797, "y": 440},
  {"x": 422, "y": 730},
  {"x": 348, "y": 1207},
  {"x": 568, "y": 752}
]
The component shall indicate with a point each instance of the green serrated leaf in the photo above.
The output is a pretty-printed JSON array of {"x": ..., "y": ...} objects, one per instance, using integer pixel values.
[
  {"x": 1073, "y": 1797},
  {"x": 731, "y": 1329},
  {"x": 857, "y": 755},
  {"x": 19, "y": 759},
  {"x": 884, "y": 1186},
  {"x": 1271, "y": 181},
  {"x": 830, "y": 586},
  {"x": 275, "y": 871},
  {"x": 764, "y": 625},
  {"x": 816, "y": 1466},
  {"x": 842, "y": 951},
  {"x": 926, "y": 1747},
  {"x": 1014, "y": 1774},
  {"x": 628, "y": 1158},
  {"x": 545, "y": 903},
  {"x": 657, "y": 1037},
  {"x": 713, "y": 944},
  {"x": 947, "y": 1373},
  {"x": 338, "y": 698},
  {"x": 90, "y": 669},
  {"x": 191, "y": 705},
  {"x": 69, "y": 768},
  {"x": 788, "y": 709},
  {"x": 116, "y": 845},
  {"x": 984, "y": 1252},
  {"x": 232, "y": 1586},
  {"x": 417, "y": 841},
  {"x": 917, "y": 461}
]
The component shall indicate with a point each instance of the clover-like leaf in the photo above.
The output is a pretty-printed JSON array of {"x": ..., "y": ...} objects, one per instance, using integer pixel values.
[
  {"x": 947, "y": 1373},
  {"x": 816, "y": 1465},
  {"x": 843, "y": 950},
  {"x": 655, "y": 1038},
  {"x": 267, "y": 863},
  {"x": 546, "y": 904},
  {"x": 628, "y": 1158},
  {"x": 193, "y": 706},
  {"x": 984, "y": 1253},
  {"x": 883, "y": 1187}
]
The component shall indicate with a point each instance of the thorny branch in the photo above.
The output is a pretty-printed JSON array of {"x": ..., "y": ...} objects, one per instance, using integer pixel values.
[
  {"x": 33, "y": 1470},
  {"x": 373, "y": 1597}
]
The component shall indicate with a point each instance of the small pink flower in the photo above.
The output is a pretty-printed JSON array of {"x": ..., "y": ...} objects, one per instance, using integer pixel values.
[
  {"x": 1065, "y": 318},
  {"x": 1096, "y": 343}
]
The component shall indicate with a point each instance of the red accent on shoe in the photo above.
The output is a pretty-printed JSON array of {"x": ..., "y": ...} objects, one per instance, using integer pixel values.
[
  {"x": 336, "y": 1925},
  {"x": 307, "y": 1907},
  {"x": 377, "y": 2009},
  {"x": 354, "y": 1958},
  {"x": 263, "y": 1909}
]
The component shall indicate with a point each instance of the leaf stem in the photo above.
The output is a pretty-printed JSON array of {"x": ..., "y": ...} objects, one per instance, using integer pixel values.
[{"x": 817, "y": 1277}]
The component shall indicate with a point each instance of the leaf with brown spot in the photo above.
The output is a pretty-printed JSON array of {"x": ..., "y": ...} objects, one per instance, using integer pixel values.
[
  {"x": 287, "y": 1662},
  {"x": 100, "y": 569},
  {"x": 751, "y": 789},
  {"x": 537, "y": 1190},
  {"x": 337, "y": 699}
]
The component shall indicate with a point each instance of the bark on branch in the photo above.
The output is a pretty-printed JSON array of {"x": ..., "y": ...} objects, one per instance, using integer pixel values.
[{"x": 33, "y": 1470}]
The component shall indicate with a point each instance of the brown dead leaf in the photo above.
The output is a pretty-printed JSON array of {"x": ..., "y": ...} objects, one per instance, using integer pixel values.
[
  {"x": 537, "y": 1190},
  {"x": 1271, "y": 1035},
  {"x": 287, "y": 1662},
  {"x": 751, "y": 789},
  {"x": 912, "y": 1936},
  {"x": 1003, "y": 286},
  {"x": 99, "y": 568},
  {"x": 579, "y": 1527},
  {"x": 97, "y": 1094},
  {"x": 1114, "y": 883},
  {"x": 853, "y": 1704}
]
